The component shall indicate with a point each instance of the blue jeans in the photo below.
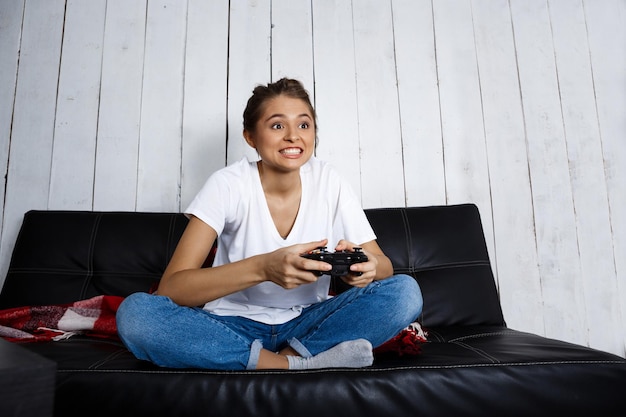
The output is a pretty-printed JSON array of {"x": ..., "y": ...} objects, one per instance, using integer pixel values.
[{"x": 154, "y": 328}]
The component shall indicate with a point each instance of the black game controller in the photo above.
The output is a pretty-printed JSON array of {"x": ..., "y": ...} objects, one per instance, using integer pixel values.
[{"x": 340, "y": 260}]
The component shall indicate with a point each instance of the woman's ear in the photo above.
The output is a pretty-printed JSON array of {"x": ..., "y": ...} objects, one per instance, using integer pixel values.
[{"x": 248, "y": 137}]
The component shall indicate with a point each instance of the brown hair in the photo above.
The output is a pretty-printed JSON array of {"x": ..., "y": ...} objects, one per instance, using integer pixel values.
[{"x": 261, "y": 94}]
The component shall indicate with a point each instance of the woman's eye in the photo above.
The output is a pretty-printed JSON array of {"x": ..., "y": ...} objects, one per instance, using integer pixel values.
[
  {"x": 304, "y": 125},
  {"x": 277, "y": 126}
]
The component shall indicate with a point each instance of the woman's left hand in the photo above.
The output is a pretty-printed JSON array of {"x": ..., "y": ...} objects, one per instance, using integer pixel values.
[{"x": 363, "y": 273}]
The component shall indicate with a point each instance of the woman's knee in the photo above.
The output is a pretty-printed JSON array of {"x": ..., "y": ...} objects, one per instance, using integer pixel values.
[
  {"x": 135, "y": 314},
  {"x": 134, "y": 305},
  {"x": 408, "y": 293}
]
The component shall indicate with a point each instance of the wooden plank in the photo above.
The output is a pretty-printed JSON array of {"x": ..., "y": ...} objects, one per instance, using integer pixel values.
[
  {"x": 206, "y": 63},
  {"x": 115, "y": 183},
  {"x": 379, "y": 121},
  {"x": 73, "y": 156},
  {"x": 584, "y": 149},
  {"x": 465, "y": 153},
  {"x": 335, "y": 88},
  {"x": 158, "y": 179},
  {"x": 516, "y": 261},
  {"x": 28, "y": 175},
  {"x": 248, "y": 66},
  {"x": 418, "y": 92},
  {"x": 11, "y": 14},
  {"x": 606, "y": 31},
  {"x": 559, "y": 264},
  {"x": 292, "y": 42}
]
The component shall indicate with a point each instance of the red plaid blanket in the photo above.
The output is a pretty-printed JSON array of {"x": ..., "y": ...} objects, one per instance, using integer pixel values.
[
  {"x": 93, "y": 317},
  {"x": 96, "y": 317}
]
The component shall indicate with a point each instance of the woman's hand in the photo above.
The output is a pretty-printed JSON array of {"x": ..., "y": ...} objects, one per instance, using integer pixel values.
[
  {"x": 378, "y": 265},
  {"x": 285, "y": 266}
]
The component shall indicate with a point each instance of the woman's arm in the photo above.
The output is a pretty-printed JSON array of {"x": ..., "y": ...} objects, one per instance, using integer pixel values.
[{"x": 187, "y": 283}]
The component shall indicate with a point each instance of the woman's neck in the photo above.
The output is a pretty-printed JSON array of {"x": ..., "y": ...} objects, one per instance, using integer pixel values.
[{"x": 278, "y": 183}]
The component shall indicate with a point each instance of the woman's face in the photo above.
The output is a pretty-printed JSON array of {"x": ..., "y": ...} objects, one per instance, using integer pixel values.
[{"x": 285, "y": 134}]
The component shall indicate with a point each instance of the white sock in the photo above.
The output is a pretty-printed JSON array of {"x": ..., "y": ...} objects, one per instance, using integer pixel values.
[{"x": 351, "y": 354}]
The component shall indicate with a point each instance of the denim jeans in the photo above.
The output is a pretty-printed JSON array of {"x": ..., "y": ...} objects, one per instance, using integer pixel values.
[{"x": 154, "y": 328}]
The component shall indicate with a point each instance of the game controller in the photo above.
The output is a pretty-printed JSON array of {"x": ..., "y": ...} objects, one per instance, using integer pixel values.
[{"x": 340, "y": 260}]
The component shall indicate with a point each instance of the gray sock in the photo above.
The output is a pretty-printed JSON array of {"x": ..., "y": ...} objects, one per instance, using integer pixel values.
[{"x": 351, "y": 354}]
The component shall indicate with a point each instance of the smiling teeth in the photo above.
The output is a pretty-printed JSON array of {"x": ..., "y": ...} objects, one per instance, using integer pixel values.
[{"x": 291, "y": 151}]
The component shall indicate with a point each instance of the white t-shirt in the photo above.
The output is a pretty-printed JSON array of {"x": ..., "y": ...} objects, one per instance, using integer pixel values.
[{"x": 233, "y": 203}]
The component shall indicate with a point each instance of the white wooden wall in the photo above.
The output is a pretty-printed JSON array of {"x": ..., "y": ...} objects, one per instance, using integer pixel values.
[{"x": 516, "y": 105}]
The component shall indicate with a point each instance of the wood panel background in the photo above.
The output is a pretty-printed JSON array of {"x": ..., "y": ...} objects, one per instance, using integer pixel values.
[{"x": 518, "y": 106}]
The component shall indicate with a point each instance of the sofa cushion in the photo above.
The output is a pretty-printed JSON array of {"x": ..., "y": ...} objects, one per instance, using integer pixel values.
[
  {"x": 445, "y": 250},
  {"x": 465, "y": 370},
  {"x": 64, "y": 256}
]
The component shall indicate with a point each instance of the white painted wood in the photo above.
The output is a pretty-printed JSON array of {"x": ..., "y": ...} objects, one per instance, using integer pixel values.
[
  {"x": 158, "y": 177},
  {"x": 292, "y": 42},
  {"x": 11, "y": 13},
  {"x": 557, "y": 245},
  {"x": 516, "y": 258},
  {"x": 204, "y": 126},
  {"x": 335, "y": 88},
  {"x": 115, "y": 183},
  {"x": 28, "y": 176},
  {"x": 73, "y": 156},
  {"x": 419, "y": 102},
  {"x": 584, "y": 149},
  {"x": 606, "y": 31},
  {"x": 248, "y": 66},
  {"x": 465, "y": 153},
  {"x": 380, "y": 135}
]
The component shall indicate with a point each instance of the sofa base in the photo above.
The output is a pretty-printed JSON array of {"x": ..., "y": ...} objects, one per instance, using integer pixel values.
[{"x": 467, "y": 370}]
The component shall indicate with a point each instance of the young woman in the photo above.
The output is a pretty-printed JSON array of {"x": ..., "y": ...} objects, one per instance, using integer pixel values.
[{"x": 261, "y": 305}]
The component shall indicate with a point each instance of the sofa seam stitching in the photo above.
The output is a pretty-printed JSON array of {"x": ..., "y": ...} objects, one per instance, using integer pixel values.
[
  {"x": 334, "y": 370},
  {"x": 90, "y": 255},
  {"x": 476, "y": 336},
  {"x": 478, "y": 351}
]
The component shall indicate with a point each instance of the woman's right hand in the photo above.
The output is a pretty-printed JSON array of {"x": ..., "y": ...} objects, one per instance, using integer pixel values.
[{"x": 287, "y": 268}]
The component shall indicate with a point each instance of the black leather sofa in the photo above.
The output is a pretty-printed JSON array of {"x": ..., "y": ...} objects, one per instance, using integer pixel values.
[{"x": 472, "y": 363}]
